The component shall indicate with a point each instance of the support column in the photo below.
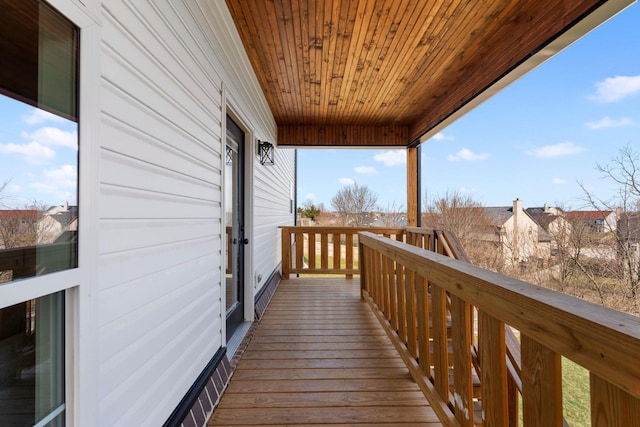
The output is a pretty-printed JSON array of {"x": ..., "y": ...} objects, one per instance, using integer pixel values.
[{"x": 413, "y": 187}]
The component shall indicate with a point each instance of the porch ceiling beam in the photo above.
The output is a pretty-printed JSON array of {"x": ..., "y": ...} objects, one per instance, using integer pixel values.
[{"x": 342, "y": 135}]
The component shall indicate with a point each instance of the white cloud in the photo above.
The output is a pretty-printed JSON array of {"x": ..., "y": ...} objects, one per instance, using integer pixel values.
[
  {"x": 33, "y": 152},
  {"x": 392, "y": 157},
  {"x": 36, "y": 117},
  {"x": 346, "y": 181},
  {"x": 366, "y": 170},
  {"x": 467, "y": 155},
  {"x": 310, "y": 196},
  {"x": 613, "y": 89},
  {"x": 559, "y": 181},
  {"x": 60, "y": 182},
  {"x": 442, "y": 137},
  {"x": 561, "y": 149},
  {"x": 52, "y": 136},
  {"x": 607, "y": 122}
]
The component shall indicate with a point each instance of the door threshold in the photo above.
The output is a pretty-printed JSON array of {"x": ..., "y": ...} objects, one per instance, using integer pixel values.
[{"x": 236, "y": 339}]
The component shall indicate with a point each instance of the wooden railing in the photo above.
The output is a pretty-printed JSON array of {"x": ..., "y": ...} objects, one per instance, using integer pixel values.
[
  {"x": 325, "y": 250},
  {"x": 448, "y": 319},
  {"x": 35, "y": 260}
]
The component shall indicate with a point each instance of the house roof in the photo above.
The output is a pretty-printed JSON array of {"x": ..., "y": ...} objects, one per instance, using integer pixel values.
[
  {"x": 391, "y": 73},
  {"x": 542, "y": 217},
  {"x": 499, "y": 214},
  {"x": 588, "y": 215},
  {"x": 18, "y": 213}
]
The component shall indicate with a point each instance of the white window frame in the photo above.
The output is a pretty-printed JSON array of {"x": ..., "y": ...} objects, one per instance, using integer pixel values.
[{"x": 80, "y": 284}]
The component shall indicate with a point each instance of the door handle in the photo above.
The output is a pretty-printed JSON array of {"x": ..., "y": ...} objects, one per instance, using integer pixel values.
[
  {"x": 245, "y": 241},
  {"x": 234, "y": 241}
]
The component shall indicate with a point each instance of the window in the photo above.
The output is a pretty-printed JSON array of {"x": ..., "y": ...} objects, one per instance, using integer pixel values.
[
  {"x": 32, "y": 362},
  {"x": 38, "y": 140},
  {"x": 38, "y": 203}
]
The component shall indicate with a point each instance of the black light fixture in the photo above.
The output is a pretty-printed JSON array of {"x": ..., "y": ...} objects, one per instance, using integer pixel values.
[{"x": 266, "y": 152}]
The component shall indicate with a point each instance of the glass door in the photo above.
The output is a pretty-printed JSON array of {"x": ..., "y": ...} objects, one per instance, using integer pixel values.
[{"x": 234, "y": 222}]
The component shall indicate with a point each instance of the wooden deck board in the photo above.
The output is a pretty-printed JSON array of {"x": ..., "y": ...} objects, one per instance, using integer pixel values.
[{"x": 319, "y": 357}]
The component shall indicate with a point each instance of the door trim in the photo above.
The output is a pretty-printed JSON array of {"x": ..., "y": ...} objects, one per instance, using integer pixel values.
[{"x": 249, "y": 158}]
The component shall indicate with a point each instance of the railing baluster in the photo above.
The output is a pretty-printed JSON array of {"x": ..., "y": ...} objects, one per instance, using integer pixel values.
[
  {"x": 410, "y": 293},
  {"x": 440, "y": 345},
  {"x": 324, "y": 249},
  {"x": 349, "y": 253},
  {"x": 541, "y": 385},
  {"x": 422, "y": 319},
  {"x": 336, "y": 251},
  {"x": 312, "y": 251},
  {"x": 384, "y": 298},
  {"x": 402, "y": 302},
  {"x": 612, "y": 406},
  {"x": 299, "y": 250},
  {"x": 393, "y": 294},
  {"x": 494, "y": 371},
  {"x": 462, "y": 363}
]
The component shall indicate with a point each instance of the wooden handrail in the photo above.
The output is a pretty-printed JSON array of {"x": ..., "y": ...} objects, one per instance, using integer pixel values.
[
  {"x": 421, "y": 285},
  {"x": 309, "y": 250},
  {"x": 28, "y": 261}
]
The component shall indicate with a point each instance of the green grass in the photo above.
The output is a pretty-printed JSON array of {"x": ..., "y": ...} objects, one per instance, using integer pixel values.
[
  {"x": 575, "y": 395},
  {"x": 575, "y": 386}
]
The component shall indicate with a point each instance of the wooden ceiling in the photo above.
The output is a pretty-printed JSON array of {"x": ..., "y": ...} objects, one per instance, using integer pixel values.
[{"x": 390, "y": 72}]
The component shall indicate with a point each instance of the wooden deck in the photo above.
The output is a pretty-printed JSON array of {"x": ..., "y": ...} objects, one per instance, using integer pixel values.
[{"x": 320, "y": 357}]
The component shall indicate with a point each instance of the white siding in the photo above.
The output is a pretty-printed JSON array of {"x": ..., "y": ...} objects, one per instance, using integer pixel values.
[
  {"x": 274, "y": 192},
  {"x": 271, "y": 185},
  {"x": 169, "y": 71}
]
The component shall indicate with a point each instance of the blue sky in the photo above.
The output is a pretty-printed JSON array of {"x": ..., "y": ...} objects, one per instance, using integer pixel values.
[
  {"x": 38, "y": 156},
  {"x": 536, "y": 140}
]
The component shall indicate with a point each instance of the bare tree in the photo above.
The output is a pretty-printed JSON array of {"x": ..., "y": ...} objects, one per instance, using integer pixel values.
[
  {"x": 27, "y": 226},
  {"x": 19, "y": 228},
  {"x": 620, "y": 272},
  {"x": 393, "y": 216},
  {"x": 354, "y": 203},
  {"x": 469, "y": 221}
]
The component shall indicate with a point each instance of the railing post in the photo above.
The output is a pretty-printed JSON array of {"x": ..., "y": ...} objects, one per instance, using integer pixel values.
[
  {"x": 286, "y": 253},
  {"x": 362, "y": 265}
]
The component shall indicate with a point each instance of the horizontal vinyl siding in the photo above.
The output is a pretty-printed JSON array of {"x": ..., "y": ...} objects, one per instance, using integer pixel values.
[
  {"x": 271, "y": 184},
  {"x": 272, "y": 198},
  {"x": 160, "y": 313}
]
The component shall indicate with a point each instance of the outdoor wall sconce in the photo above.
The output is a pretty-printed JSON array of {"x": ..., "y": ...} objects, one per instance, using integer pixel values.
[{"x": 266, "y": 152}]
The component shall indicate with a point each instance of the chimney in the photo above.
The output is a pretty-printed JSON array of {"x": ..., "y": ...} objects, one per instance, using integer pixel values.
[
  {"x": 517, "y": 209},
  {"x": 517, "y": 206}
]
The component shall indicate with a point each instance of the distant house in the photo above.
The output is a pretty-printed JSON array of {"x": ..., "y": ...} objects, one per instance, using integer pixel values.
[
  {"x": 628, "y": 233},
  {"x": 594, "y": 221},
  {"x": 56, "y": 221},
  {"x": 520, "y": 238},
  {"x": 554, "y": 228},
  {"x": 18, "y": 227}
]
